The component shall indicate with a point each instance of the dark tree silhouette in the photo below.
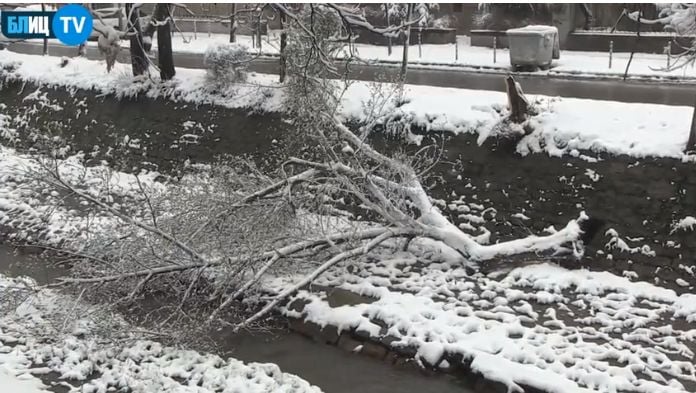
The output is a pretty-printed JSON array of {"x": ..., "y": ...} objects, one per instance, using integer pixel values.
[
  {"x": 137, "y": 50},
  {"x": 163, "y": 20}
]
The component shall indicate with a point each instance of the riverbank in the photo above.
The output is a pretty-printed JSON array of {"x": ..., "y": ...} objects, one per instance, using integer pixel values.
[
  {"x": 562, "y": 125},
  {"x": 607, "y": 328},
  {"x": 49, "y": 336}
]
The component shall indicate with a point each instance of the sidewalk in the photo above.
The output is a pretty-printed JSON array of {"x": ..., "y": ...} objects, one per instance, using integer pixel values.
[{"x": 571, "y": 63}]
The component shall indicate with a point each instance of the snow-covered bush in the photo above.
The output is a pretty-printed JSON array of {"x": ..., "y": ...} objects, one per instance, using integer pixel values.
[
  {"x": 398, "y": 12},
  {"x": 444, "y": 22},
  {"x": 227, "y": 63},
  {"x": 496, "y": 16},
  {"x": 109, "y": 45}
]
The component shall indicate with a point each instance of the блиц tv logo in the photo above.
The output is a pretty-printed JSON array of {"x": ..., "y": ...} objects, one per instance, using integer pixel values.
[{"x": 71, "y": 24}]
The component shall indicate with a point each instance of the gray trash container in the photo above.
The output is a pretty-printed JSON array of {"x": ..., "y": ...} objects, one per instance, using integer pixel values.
[{"x": 534, "y": 46}]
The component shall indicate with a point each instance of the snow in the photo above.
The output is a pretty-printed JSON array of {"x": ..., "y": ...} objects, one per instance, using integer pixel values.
[
  {"x": 534, "y": 29},
  {"x": 571, "y": 63},
  {"x": 638, "y": 130},
  {"x": 187, "y": 86},
  {"x": 564, "y": 125},
  {"x": 685, "y": 224},
  {"x": 85, "y": 359},
  {"x": 20, "y": 383},
  {"x": 440, "y": 311},
  {"x": 26, "y": 203}
]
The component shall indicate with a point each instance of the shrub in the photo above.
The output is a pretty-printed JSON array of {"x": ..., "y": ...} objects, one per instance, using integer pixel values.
[{"x": 227, "y": 63}]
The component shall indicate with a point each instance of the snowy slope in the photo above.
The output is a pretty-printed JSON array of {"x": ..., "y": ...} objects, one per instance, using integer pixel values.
[{"x": 563, "y": 126}]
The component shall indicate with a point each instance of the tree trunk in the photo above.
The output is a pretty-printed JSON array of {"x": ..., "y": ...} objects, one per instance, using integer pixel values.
[
  {"x": 691, "y": 143},
  {"x": 633, "y": 50},
  {"x": 45, "y": 40},
  {"x": 164, "y": 42},
  {"x": 389, "y": 40},
  {"x": 258, "y": 34},
  {"x": 233, "y": 24},
  {"x": 407, "y": 42},
  {"x": 283, "y": 44},
  {"x": 517, "y": 102},
  {"x": 138, "y": 57}
]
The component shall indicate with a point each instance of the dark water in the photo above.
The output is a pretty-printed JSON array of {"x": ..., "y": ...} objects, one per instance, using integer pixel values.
[
  {"x": 335, "y": 370},
  {"x": 22, "y": 261}
]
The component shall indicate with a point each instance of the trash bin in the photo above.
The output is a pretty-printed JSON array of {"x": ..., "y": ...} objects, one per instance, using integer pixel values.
[{"x": 534, "y": 46}]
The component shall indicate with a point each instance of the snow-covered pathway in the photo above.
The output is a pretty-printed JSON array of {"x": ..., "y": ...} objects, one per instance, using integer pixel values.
[{"x": 571, "y": 63}]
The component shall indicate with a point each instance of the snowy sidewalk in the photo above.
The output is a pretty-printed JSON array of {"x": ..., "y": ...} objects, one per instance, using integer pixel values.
[{"x": 571, "y": 63}]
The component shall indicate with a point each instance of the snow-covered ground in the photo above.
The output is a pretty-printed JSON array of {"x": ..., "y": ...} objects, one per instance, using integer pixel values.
[
  {"x": 44, "y": 333},
  {"x": 563, "y": 126},
  {"x": 576, "y": 63},
  {"x": 20, "y": 383},
  {"x": 539, "y": 325},
  {"x": 25, "y": 198}
]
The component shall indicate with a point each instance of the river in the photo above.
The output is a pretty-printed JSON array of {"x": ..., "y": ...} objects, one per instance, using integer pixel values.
[{"x": 332, "y": 369}]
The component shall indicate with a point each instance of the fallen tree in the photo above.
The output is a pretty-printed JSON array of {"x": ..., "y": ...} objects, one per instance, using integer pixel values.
[{"x": 213, "y": 238}]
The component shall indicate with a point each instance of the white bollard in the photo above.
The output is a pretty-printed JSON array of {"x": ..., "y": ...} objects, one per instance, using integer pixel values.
[
  {"x": 456, "y": 50},
  {"x": 611, "y": 52},
  {"x": 209, "y": 29},
  {"x": 420, "y": 50},
  {"x": 669, "y": 53},
  {"x": 495, "y": 44}
]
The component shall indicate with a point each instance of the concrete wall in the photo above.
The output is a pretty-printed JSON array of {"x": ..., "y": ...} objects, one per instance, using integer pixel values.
[
  {"x": 625, "y": 42},
  {"x": 427, "y": 36}
]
